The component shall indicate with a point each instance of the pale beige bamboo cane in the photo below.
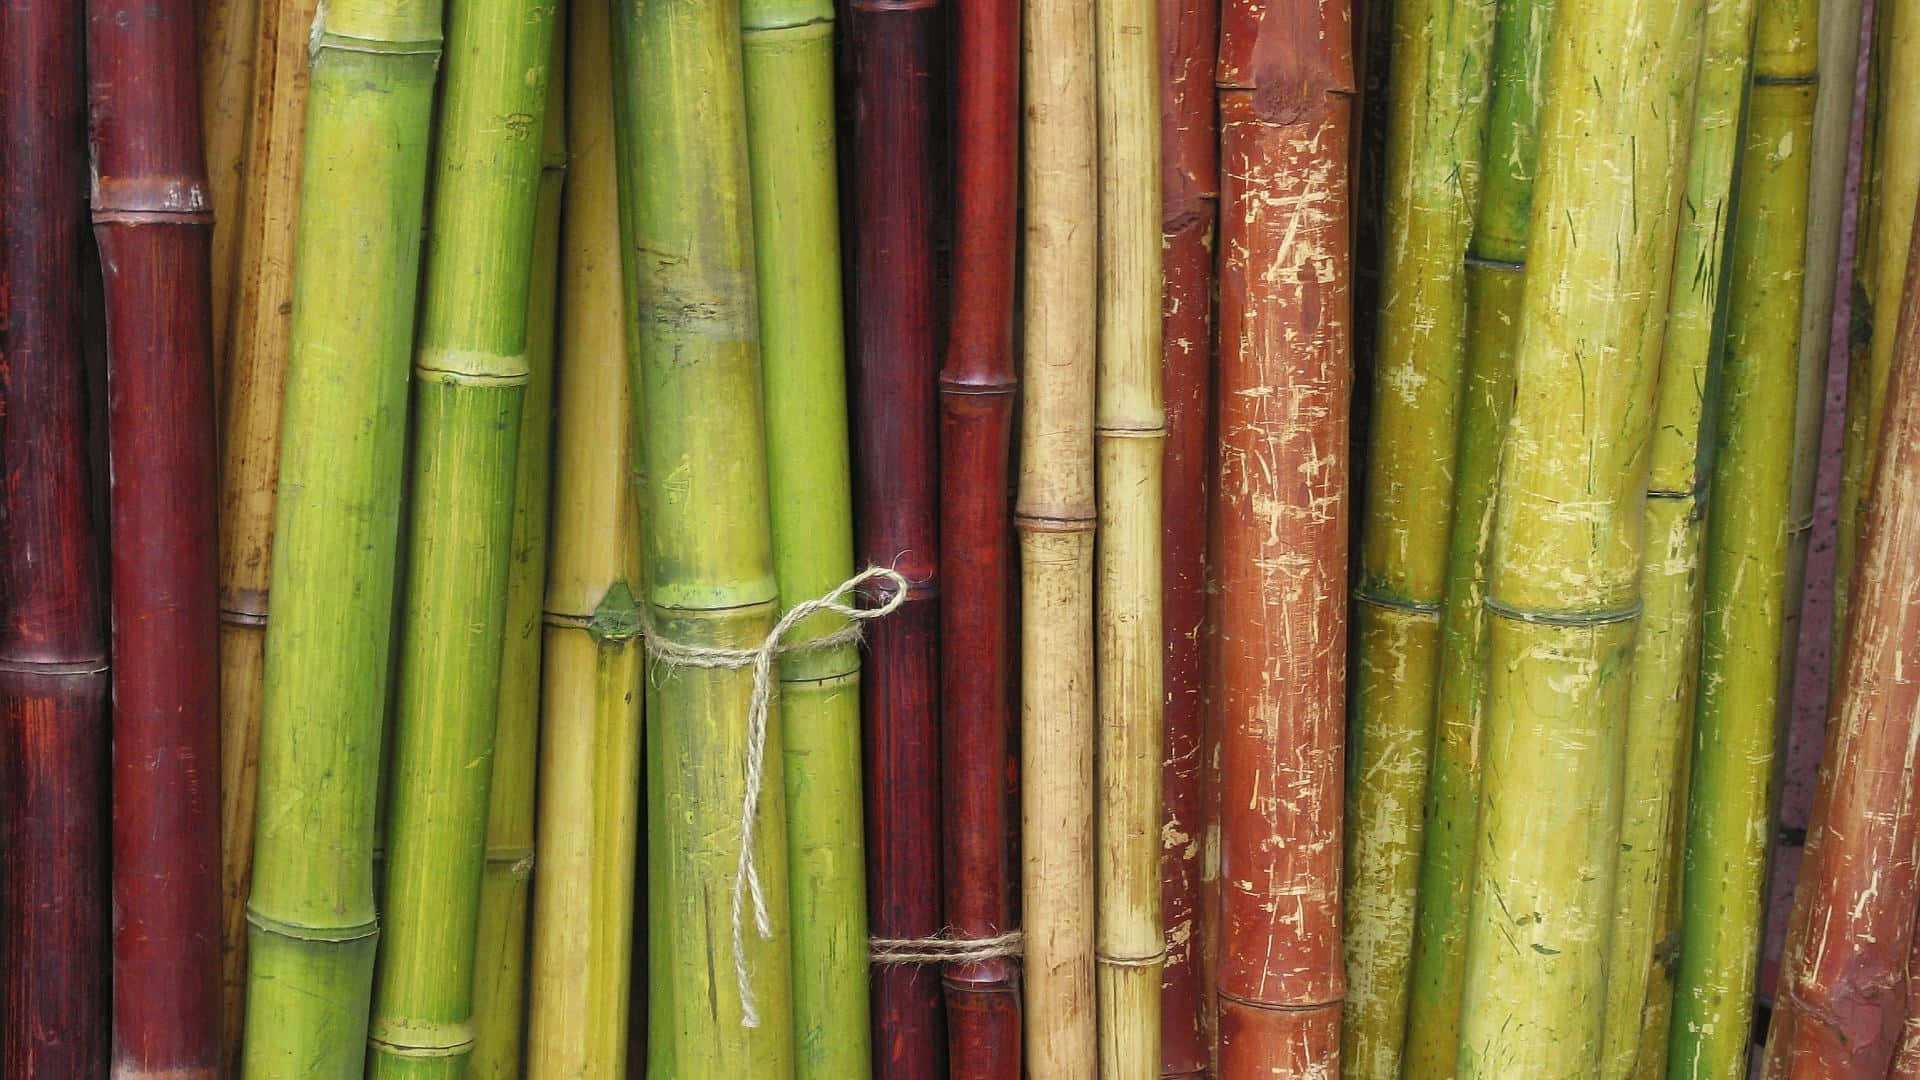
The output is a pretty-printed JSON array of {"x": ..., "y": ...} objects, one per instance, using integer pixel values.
[{"x": 1055, "y": 515}]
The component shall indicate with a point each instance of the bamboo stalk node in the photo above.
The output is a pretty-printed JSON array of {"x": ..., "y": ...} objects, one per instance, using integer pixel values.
[
  {"x": 943, "y": 948},
  {"x": 674, "y": 654}
]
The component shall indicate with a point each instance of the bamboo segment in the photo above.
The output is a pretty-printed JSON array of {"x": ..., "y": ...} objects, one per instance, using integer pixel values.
[
  {"x": 1055, "y": 514},
  {"x": 1731, "y": 806},
  {"x": 500, "y": 958},
  {"x": 152, "y": 222},
  {"x": 977, "y": 387},
  {"x": 1495, "y": 272},
  {"x": 1130, "y": 442},
  {"x": 1660, "y": 710},
  {"x": 1562, "y": 596},
  {"x": 1440, "y": 86},
  {"x": 789, "y": 81},
  {"x": 229, "y": 41},
  {"x": 895, "y": 384},
  {"x": 1189, "y": 200},
  {"x": 1842, "y": 1002},
  {"x": 53, "y": 648},
  {"x": 709, "y": 562},
  {"x": 250, "y": 414},
  {"x": 1906, "y": 1059},
  {"x": 1280, "y": 529},
  {"x": 590, "y": 735},
  {"x": 311, "y": 911}
]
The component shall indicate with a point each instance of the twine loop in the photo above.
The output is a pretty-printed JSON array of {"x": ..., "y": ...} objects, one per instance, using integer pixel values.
[
  {"x": 674, "y": 654},
  {"x": 945, "y": 949}
]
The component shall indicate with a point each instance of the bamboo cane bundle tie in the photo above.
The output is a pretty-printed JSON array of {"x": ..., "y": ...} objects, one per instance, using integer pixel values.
[
  {"x": 944, "y": 949},
  {"x": 674, "y": 654}
]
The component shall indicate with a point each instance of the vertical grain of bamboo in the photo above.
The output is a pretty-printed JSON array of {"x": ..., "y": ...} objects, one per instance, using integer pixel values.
[
  {"x": 228, "y": 56},
  {"x": 152, "y": 218},
  {"x": 1280, "y": 528},
  {"x": 977, "y": 386},
  {"x": 311, "y": 912},
  {"x": 53, "y": 647},
  {"x": 1055, "y": 517}
]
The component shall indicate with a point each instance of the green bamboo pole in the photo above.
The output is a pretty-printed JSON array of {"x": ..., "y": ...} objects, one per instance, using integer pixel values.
[
  {"x": 1724, "y": 893},
  {"x": 1562, "y": 595},
  {"x": 1438, "y": 120},
  {"x": 1494, "y": 273},
  {"x": 311, "y": 912},
  {"x": 1665, "y": 664},
  {"x": 790, "y": 136},
  {"x": 590, "y": 733},
  {"x": 709, "y": 559},
  {"x": 470, "y": 380},
  {"x": 500, "y": 959}
]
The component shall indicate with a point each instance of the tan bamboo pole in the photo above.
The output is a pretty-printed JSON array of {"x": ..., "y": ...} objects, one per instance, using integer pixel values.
[
  {"x": 230, "y": 38},
  {"x": 1055, "y": 516}
]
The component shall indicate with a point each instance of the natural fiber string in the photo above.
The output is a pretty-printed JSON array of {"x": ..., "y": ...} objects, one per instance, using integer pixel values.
[
  {"x": 944, "y": 950},
  {"x": 674, "y": 654}
]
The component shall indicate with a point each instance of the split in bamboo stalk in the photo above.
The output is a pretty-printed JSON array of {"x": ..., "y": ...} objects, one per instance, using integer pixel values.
[
  {"x": 152, "y": 221},
  {"x": 1495, "y": 274},
  {"x": 1730, "y": 808},
  {"x": 500, "y": 955},
  {"x": 1189, "y": 201},
  {"x": 790, "y": 138},
  {"x": 229, "y": 40},
  {"x": 1843, "y": 1000},
  {"x": 250, "y": 411},
  {"x": 590, "y": 737},
  {"x": 1440, "y": 84},
  {"x": 1562, "y": 599},
  {"x": 1280, "y": 525},
  {"x": 53, "y": 648},
  {"x": 313, "y": 925},
  {"x": 976, "y": 429},
  {"x": 896, "y": 489},
  {"x": 1130, "y": 443},
  {"x": 720, "y": 972},
  {"x": 1055, "y": 518}
]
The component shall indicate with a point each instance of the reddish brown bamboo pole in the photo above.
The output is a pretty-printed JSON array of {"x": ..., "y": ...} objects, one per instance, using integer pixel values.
[
  {"x": 1189, "y": 198},
  {"x": 53, "y": 655},
  {"x": 896, "y": 499},
  {"x": 1286, "y": 115},
  {"x": 1842, "y": 1003},
  {"x": 976, "y": 430},
  {"x": 152, "y": 221},
  {"x": 1906, "y": 1059}
]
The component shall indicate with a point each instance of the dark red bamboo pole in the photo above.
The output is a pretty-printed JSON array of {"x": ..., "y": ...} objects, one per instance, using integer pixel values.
[
  {"x": 53, "y": 659},
  {"x": 1190, "y": 195},
  {"x": 1280, "y": 528},
  {"x": 1843, "y": 998},
  {"x": 976, "y": 431},
  {"x": 153, "y": 225},
  {"x": 896, "y": 508},
  {"x": 1906, "y": 1057}
]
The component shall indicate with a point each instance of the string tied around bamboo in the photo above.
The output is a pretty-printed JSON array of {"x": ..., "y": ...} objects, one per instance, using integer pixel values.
[
  {"x": 945, "y": 948},
  {"x": 674, "y": 654}
]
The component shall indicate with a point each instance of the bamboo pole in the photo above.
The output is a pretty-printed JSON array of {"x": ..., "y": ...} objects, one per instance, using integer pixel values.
[
  {"x": 977, "y": 385},
  {"x": 1842, "y": 1001},
  {"x": 590, "y": 736},
  {"x": 1189, "y": 202},
  {"x": 1440, "y": 89},
  {"x": 1280, "y": 529},
  {"x": 896, "y": 497},
  {"x": 1562, "y": 597},
  {"x": 1730, "y": 809},
  {"x": 1661, "y": 706},
  {"x": 1055, "y": 514},
  {"x": 709, "y": 562},
  {"x": 53, "y": 648},
  {"x": 311, "y": 911},
  {"x": 152, "y": 221},
  {"x": 230, "y": 37},
  {"x": 250, "y": 415},
  {"x": 1495, "y": 272},
  {"x": 506, "y": 884},
  {"x": 1130, "y": 442},
  {"x": 790, "y": 139}
]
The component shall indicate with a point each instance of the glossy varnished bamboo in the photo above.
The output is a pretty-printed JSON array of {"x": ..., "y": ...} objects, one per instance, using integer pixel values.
[
  {"x": 152, "y": 220},
  {"x": 53, "y": 649}
]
